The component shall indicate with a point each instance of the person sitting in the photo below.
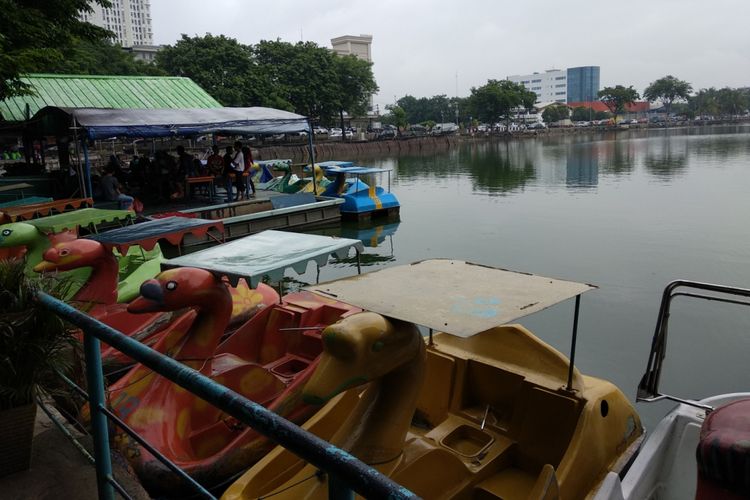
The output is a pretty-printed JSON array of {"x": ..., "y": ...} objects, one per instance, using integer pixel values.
[{"x": 111, "y": 190}]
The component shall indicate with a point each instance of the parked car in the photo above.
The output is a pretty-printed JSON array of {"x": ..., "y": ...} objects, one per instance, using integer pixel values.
[
  {"x": 388, "y": 132},
  {"x": 582, "y": 124},
  {"x": 536, "y": 126},
  {"x": 320, "y": 130},
  {"x": 444, "y": 128}
]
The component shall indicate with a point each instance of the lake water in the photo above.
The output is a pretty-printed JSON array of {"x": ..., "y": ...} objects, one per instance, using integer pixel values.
[{"x": 627, "y": 211}]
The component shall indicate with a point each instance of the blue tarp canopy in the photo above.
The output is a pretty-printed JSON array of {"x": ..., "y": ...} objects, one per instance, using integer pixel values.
[
  {"x": 147, "y": 234},
  {"x": 103, "y": 123},
  {"x": 268, "y": 253}
]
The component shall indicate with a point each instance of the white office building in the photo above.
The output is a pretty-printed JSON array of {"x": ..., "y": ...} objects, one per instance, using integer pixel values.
[
  {"x": 550, "y": 86},
  {"x": 129, "y": 20}
]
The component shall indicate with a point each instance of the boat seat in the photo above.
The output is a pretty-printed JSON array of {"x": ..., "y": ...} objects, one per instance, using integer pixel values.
[
  {"x": 542, "y": 440},
  {"x": 546, "y": 487},
  {"x": 723, "y": 453}
]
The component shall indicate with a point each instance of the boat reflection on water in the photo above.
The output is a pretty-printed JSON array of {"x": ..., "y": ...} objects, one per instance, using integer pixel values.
[{"x": 376, "y": 236}]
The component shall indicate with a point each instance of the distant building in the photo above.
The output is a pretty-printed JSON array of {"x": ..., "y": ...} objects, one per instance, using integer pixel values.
[
  {"x": 146, "y": 53},
  {"x": 549, "y": 86},
  {"x": 562, "y": 85},
  {"x": 129, "y": 20},
  {"x": 583, "y": 84},
  {"x": 354, "y": 45}
]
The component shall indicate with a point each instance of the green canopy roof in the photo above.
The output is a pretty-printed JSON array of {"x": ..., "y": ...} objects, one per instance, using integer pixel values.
[
  {"x": 99, "y": 91},
  {"x": 84, "y": 217}
]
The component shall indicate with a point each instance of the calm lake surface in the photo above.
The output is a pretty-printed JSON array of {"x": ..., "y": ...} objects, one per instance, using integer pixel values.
[{"x": 627, "y": 211}]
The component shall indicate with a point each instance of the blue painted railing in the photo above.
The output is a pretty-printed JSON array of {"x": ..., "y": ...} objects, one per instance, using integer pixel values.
[{"x": 345, "y": 472}]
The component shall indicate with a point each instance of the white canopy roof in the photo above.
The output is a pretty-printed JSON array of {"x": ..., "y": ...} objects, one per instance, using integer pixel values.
[
  {"x": 451, "y": 296},
  {"x": 268, "y": 253}
]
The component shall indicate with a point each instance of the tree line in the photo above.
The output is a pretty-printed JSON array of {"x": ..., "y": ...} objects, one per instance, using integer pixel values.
[
  {"x": 48, "y": 37},
  {"x": 499, "y": 100}
]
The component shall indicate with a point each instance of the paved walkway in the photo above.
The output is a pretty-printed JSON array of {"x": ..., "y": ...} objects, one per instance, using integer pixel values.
[{"x": 59, "y": 471}]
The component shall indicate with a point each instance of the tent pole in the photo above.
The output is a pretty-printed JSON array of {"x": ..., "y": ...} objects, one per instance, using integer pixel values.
[
  {"x": 312, "y": 155},
  {"x": 569, "y": 386},
  {"x": 87, "y": 169}
]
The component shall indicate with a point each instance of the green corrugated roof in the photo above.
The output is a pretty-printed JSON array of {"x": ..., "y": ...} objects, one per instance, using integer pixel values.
[{"x": 98, "y": 91}]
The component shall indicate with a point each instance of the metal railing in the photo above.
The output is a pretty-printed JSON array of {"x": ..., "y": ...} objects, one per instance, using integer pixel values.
[
  {"x": 648, "y": 388},
  {"x": 345, "y": 472}
]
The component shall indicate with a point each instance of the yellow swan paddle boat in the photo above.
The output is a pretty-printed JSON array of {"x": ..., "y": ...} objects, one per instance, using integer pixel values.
[{"x": 477, "y": 411}]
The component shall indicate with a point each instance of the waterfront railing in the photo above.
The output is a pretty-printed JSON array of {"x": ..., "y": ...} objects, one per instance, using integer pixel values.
[{"x": 346, "y": 474}]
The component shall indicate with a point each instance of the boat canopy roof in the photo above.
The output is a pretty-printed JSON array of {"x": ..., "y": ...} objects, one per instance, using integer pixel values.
[
  {"x": 335, "y": 169},
  {"x": 82, "y": 217},
  {"x": 147, "y": 234},
  {"x": 335, "y": 163},
  {"x": 268, "y": 253},
  {"x": 451, "y": 296},
  {"x": 102, "y": 123}
]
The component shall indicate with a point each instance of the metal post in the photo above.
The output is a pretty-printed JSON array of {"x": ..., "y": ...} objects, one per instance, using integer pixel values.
[
  {"x": 312, "y": 156},
  {"x": 337, "y": 490},
  {"x": 573, "y": 343},
  {"x": 359, "y": 263},
  {"x": 95, "y": 382},
  {"x": 362, "y": 478},
  {"x": 87, "y": 169}
]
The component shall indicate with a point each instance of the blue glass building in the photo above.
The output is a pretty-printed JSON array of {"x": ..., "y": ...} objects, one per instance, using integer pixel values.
[{"x": 583, "y": 84}]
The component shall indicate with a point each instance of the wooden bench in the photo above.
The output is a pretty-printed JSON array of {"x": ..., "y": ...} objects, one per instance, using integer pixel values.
[{"x": 207, "y": 180}]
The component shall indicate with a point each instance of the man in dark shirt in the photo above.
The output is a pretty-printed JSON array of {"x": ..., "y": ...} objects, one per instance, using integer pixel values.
[{"x": 111, "y": 191}]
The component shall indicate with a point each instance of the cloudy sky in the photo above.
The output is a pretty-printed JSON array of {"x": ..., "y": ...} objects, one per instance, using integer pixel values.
[{"x": 419, "y": 46}]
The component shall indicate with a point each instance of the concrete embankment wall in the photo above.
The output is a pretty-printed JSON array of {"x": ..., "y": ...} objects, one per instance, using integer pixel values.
[{"x": 345, "y": 150}]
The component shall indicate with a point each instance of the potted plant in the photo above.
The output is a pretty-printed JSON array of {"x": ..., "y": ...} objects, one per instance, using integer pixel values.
[{"x": 34, "y": 344}]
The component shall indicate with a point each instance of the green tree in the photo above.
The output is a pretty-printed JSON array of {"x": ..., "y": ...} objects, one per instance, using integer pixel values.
[
  {"x": 303, "y": 74},
  {"x": 731, "y": 102},
  {"x": 668, "y": 90},
  {"x": 34, "y": 33},
  {"x": 582, "y": 114},
  {"x": 555, "y": 113},
  {"x": 617, "y": 98},
  {"x": 221, "y": 66},
  {"x": 497, "y": 99},
  {"x": 396, "y": 116},
  {"x": 356, "y": 84},
  {"x": 99, "y": 57}
]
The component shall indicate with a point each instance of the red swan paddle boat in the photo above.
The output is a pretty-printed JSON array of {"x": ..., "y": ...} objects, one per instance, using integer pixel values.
[{"x": 268, "y": 359}]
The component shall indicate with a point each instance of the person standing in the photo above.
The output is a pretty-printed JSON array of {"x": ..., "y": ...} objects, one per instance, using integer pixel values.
[
  {"x": 238, "y": 165},
  {"x": 228, "y": 173},
  {"x": 215, "y": 165},
  {"x": 249, "y": 170}
]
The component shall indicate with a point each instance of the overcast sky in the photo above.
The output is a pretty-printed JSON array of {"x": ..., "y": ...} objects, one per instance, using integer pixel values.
[{"x": 419, "y": 46}]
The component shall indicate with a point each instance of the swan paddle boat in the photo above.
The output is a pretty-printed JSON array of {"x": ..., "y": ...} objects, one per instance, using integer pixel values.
[
  {"x": 360, "y": 200},
  {"x": 699, "y": 449},
  {"x": 267, "y": 359},
  {"x": 36, "y": 235},
  {"x": 26, "y": 211},
  {"x": 482, "y": 409},
  {"x": 261, "y": 172},
  {"x": 102, "y": 289}
]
